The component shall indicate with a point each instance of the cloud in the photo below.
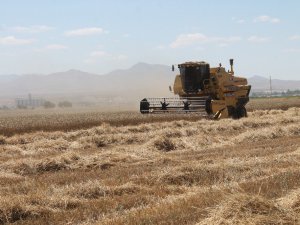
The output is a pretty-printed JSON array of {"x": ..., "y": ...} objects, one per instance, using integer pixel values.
[
  {"x": 11, "y": 40},
  {"x": 55, "y": 47},
  {"x": 295, "y": 38},
  {"x": 184, "y": 40},
  {"x": 160, "y": 47},
  {"x": 120, "y": 57},
  {"x": 223, "y": 45},
  {"x": 292, "y": 50},
  {"x": 31, "y": 29},
  {"x": 126, "y": 35},
  {"x": 229, "y": 39},
  {"x": 266, "y": 19},
  {"x": 188, "y": 39},
  {"x": 2, "y": 27},
  {"x": 52, "y": 47},
  {"x": 88, "y": 31},
  {"x": 89, "y": 61},
  {"x": 239, "y": 21},
  {"x": 256, "y": 39},
  {"x": 95, "y": 56},
  {"x": 98, "y": 54}
]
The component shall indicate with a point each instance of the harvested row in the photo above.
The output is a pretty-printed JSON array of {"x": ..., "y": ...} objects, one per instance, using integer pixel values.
[{"x": 208, "y": 172}]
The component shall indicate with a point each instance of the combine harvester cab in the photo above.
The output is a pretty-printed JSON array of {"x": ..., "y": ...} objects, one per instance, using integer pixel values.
[{"x": 203, "y": 90}]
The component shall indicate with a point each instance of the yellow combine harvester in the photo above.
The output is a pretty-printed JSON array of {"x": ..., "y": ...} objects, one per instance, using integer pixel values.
[{"x": 201, "y": 88}]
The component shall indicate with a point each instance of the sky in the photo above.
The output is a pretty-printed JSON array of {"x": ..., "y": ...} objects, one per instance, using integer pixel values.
[{"x": 97, "y": 36}]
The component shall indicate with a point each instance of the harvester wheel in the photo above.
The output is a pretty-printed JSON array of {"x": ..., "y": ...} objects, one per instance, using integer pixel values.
[
  {"x": 239, "y": 112},
  {"x": 144, "y": 106},
  {"x": 208, "y": 108},
  {"x": 245, "y": 112},
  {"x": 242, "y": 112}
]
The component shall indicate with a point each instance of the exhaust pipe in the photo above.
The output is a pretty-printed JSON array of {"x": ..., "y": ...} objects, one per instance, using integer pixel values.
[{"x": 231, "y": 65}]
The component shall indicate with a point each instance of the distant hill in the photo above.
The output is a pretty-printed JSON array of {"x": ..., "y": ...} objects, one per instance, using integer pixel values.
[
  {"x": 141, "y": 80},
  {"x": 260, "y": 83},
  {"x": 8, "y": 78}
]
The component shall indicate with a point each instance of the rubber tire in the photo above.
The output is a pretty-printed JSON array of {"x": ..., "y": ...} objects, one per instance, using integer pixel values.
[
  {"x": 242, "y": 112},
  {"x": 234, "y": 114},
  {"x": 239, "y": 113},
  {"x": 144, "y": 106},
  {"x": 208, "y": 108}
]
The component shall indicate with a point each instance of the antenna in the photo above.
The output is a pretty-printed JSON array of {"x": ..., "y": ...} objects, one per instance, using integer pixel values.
[{"x": 271, "y": 87}]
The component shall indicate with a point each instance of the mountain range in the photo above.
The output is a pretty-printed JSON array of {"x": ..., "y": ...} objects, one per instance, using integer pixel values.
[
  {"x": 139, "y": 81},
  {"x": 260, "y": 83}
]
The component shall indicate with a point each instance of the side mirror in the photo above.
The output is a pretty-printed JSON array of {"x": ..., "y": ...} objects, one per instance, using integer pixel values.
[
  {"x": 170, "y": 88},
  {"x": 173, "y": 68}
]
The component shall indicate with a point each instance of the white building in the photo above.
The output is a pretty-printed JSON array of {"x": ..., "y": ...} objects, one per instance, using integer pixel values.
[{"x": 29, "y": 102}]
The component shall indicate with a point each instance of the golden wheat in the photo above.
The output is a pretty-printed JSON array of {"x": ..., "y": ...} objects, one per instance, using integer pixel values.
[{"x": 179, "y": 171}]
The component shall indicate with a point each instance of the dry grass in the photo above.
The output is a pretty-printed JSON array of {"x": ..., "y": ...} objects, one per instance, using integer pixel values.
[
  {"x": 250, "y": 209},
  {"x": 177, "y": 172},
  {"x": 283, "y": 103},
  {"x": 24, "y": 121},
  {"x": 30, "y": 121}
]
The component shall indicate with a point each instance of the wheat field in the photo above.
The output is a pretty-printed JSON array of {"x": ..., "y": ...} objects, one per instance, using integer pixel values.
[{"x": 164, "y": 170}]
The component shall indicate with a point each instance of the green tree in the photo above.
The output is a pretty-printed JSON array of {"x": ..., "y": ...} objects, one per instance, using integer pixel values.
[
  {"x": 65, "y": 104},
  {"x": 49, "y": 105}
]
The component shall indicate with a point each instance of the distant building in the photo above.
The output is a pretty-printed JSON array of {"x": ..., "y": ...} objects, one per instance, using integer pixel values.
[{"x": 29, "y": 102}]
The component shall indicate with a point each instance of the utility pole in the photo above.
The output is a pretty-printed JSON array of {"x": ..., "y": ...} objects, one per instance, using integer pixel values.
[{"x": 271, "y": 87}]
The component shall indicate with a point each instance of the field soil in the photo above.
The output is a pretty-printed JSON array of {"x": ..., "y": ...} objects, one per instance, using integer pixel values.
[{"x": 174, "y": 172}]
